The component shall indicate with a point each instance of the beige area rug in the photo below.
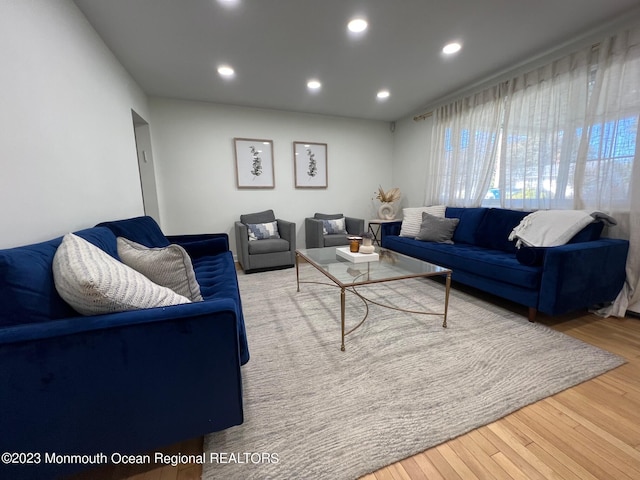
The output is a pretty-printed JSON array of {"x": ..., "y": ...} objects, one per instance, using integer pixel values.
[{"x": 404, "y": 383}]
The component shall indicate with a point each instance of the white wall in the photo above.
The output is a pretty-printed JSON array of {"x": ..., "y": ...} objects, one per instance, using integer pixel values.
[
  {"x": 195, "y": 165},
  {"x": 67, "y": 148},
  {"x": 410, "y": 153}
]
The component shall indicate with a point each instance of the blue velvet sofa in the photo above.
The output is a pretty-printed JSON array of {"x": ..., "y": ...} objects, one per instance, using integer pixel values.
[
  {"x": 126, "y": 382},
  {"x": 585, "y": 272}
]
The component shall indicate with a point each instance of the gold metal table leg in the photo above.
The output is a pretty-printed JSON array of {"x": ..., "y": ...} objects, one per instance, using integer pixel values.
[
  {"x": 342, "y": 296},
  {"x": 298, "y": 270},
  {"x": 446, "y": 300}
]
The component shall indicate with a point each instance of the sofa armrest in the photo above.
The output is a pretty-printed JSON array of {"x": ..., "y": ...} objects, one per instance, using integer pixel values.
[
  {"x": 355, "y": 226},
  {"x": 113, "y": 373},
  {"x": 580, "y": 275},
  {"x": 287, "y": 230},
  {"x": 201, "y": 245},
  {"x": 313, "y": 232},
  {"x": 389, "y": 228},
  {"x": 242, "y": 244}
]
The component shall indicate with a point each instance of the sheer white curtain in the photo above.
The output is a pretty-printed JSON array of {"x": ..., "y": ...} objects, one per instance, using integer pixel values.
[
  {"x": 609, "y": 156},
  {"x": 463, "y": 149},
  {"x": 545, "y": 110}
]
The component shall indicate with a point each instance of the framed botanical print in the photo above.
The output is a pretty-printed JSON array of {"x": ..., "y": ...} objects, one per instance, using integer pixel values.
[
  {"x": 254, "y": 163},
  {"x": 310, "y": 164}
]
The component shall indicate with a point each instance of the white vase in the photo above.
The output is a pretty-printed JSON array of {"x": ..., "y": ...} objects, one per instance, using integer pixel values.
[{"x": 386, "y": 211}]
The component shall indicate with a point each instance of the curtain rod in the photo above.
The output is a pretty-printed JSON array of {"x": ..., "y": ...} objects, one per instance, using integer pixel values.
[{"x": 419, "y": 118}]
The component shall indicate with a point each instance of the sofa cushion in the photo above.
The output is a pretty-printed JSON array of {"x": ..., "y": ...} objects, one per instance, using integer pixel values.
[
  {"x": 169, "y": 266},
  {"x": 412, "y": 218},
  {"x": 144, "y": 230},
  {"x": 470, "y": 219},
  {"x": 437, "y": 229},
  {"x": 479, "y": 261},
  {"x": 28, "y": 293},
  {"x": 262, "y": 231},
  {"x": 496, "y": 226},
  {"x": 93, "y": 282},
  {"x": 589, "y": 233}
]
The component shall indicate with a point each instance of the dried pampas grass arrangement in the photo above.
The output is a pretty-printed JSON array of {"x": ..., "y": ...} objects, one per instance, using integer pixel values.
[{"x": 388, "y": 197}]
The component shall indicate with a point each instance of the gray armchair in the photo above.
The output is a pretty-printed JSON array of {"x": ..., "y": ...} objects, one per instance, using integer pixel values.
[
  {"x": 316, "y": 238},
  {"x": 269, "y": 249}
]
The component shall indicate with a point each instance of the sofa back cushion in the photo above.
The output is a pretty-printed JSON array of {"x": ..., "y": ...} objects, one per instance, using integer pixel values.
[
  {"x": 470, "y": 219},
  {"x": 589, "y": 233},
  {"x": 496, "y": 226},
  {"x": 143, "y": 230},
  {"x": 28, "y": 293}
]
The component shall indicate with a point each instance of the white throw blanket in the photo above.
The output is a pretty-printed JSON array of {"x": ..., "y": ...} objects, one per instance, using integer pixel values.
[{"x": 548, "y": 228}]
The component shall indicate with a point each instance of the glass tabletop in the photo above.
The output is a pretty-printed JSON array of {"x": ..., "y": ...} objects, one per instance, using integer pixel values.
[{"x": 390, "y": 265}]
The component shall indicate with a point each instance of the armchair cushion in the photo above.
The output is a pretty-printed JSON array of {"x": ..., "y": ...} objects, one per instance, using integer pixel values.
[
  {"x": 93, "y": 282},
  {"x": 169, "y": 266},
  {"x": 262, "y": 231},
  {"x": 271, "y": 245}
]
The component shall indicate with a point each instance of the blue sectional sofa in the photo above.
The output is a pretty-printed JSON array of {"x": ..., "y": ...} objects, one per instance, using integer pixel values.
[
  {"x": 585, "y": 272},
  {"x": 122, "y": 383}
]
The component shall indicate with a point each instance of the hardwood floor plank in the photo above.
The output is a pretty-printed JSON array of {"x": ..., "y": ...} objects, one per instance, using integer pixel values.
[
  {"x": 585, "y": 450},
  {"x": 457, "y": 464},
  {"x": 584, "y": 422},
  {"x": 544, "y": 448},
  {"x": 428, "y": 469},
  {"x": 415, "y": 471},
  {"x": 442, "y": 465}
]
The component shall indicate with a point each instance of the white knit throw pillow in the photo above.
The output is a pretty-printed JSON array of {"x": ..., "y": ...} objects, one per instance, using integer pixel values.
[
  {"x": 93, "y": 282},
  {"x": 412, "y": 218}
]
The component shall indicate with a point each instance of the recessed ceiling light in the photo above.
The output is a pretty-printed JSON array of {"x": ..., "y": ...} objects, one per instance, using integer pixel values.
[
  {"x": 226, "y": 71},
  {"x": 314, "y": 84},
  {"x": 357, "y": 25},
  {"x": 451, "y": 48},
  {"x": 382, "y": 94},
  {"x": 229, "y": 3}
]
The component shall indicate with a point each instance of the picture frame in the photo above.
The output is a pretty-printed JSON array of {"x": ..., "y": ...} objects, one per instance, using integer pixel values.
[
  {"x": 310, "y": 165},
  {"x": 254, "y": 163}
]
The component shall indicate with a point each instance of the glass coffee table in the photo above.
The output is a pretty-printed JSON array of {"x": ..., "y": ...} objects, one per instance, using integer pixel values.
[{"x": 347, "y": 275}]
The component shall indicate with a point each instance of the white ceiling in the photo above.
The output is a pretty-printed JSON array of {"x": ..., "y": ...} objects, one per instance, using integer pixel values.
[{"x": 173, "y": 47}]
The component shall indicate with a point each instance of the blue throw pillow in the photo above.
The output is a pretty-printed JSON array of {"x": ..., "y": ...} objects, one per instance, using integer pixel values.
[
  {"x": 263, "y": 231},
  {"x": 334, "y": 227},
  {"x": 531, "y": 256}
]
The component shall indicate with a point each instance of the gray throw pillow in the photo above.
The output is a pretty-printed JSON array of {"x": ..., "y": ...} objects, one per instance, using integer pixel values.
[
  {"x": 93, "y": 282},
  {"x": 437, "y": 229},
  {"x": 168, "y": 266},
  {"x": 334, "y": 227},
  {"x": 262, "y": 231}
]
